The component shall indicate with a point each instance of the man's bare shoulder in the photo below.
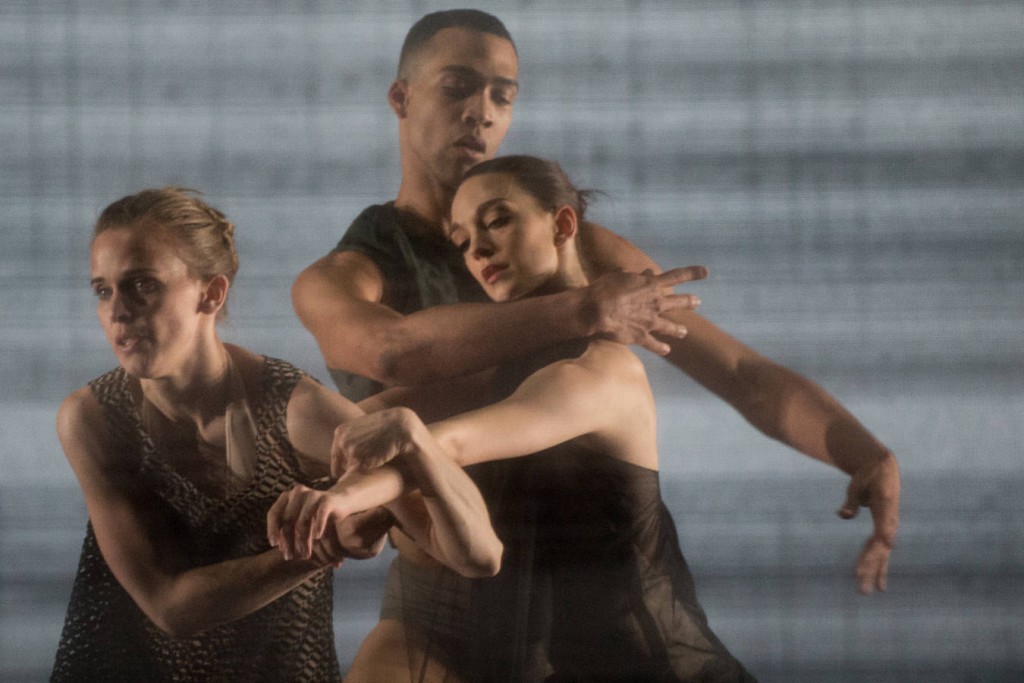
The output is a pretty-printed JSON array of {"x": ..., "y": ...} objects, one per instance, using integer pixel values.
[
  {"x": 607, "y": 251},
  {"x": 338, "y": 274}
]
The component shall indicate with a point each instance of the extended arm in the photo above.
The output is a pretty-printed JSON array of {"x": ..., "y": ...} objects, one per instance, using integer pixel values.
[
  {"x": 601, "y": 397},
  {"x": 782, "y": 404},
  {"x": 338, "y": 299},
  {"x": 139, "y": 546}
]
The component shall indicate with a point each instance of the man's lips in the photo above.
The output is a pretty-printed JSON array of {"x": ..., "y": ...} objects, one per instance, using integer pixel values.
[
  {"x": 492, "y": 272},
  {"x": 472, "y": 144}
]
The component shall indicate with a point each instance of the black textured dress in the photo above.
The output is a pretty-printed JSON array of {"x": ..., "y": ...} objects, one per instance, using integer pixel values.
[{"x": 107, "y": 637}]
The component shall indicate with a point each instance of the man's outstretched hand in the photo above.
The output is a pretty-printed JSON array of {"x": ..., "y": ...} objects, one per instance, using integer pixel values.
[
  {"x": 876, "y": 487},
  {"x": 629, "y": 308}
]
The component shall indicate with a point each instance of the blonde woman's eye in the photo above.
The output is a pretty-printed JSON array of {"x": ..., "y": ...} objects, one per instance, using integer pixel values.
[{"x": 145, "y": 285}]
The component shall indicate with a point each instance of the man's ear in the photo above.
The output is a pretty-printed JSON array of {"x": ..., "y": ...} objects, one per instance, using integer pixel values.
[
  {"x": 566, "y": 225},
  {"x": 215, "y": 294},
  {"x": 398, "y": 94}
]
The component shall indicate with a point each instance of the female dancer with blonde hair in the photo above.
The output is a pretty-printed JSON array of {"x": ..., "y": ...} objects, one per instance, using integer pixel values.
[{"x": 180, "y": 452}]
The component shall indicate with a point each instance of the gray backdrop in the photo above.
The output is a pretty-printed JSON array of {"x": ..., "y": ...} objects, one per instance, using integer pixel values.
[{"x": 852, "y": 172}]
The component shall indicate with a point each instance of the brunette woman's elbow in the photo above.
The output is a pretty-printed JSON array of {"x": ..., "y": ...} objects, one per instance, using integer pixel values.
[{"x": 484, "y": 563}]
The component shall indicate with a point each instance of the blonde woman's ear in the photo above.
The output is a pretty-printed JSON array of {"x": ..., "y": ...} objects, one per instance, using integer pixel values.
[{"x": 215, "y": 295}]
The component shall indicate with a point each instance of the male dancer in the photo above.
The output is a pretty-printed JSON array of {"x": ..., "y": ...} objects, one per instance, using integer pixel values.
[{"x": 374, "y": 304}]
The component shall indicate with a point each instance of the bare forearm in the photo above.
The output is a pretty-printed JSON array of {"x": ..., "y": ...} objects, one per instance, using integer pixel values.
[
  {"x": 204, "y": 597},
  {"x": 460, "y": 528},
  {"x": 448, "y": 341},
  {"x": 363, "y": 491},
  {"x": 781, "y": 403},
  {"x": 796, "y": 411}
]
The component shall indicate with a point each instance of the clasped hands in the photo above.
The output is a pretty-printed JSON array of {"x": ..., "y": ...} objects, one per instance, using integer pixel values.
[{"x": 327, "y": 526}]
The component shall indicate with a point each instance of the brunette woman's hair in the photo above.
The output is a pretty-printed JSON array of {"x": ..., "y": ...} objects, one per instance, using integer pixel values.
[{"x": 542, "y": 179}]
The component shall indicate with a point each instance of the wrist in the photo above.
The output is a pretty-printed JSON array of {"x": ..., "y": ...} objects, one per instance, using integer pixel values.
[
  {"x": 339, "y": 497},
  {"x": 585, "y": 306}
]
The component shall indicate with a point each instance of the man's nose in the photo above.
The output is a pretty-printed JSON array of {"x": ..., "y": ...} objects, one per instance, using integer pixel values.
[{"x": 479, "y": 108}]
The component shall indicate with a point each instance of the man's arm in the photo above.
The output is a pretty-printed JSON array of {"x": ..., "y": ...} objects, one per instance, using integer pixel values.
[
  {"x": 338, "y": 299},
  {"x": 782, "y": 404}
]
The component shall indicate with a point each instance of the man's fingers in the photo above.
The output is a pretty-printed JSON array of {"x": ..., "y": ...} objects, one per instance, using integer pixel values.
[
  {"x": 854, "y": 500},
  {"x": 669, "y": 302},
  {"x": 873, "y": 566},
  {"x": 679, "y": 275},
  {"x": 668, "y": 328},
  {"x": 654, "y": 345}
]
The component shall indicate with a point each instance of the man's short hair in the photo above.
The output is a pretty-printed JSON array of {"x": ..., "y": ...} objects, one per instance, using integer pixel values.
[{"x": 425, "y": 29}]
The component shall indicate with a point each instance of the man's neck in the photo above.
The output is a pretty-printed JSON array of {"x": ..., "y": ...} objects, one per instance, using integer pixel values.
[{"x": 425, "y": 197}]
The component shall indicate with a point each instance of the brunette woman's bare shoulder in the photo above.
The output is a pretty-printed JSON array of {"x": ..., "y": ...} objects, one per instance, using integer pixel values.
[{"x": 609, "y": 357}]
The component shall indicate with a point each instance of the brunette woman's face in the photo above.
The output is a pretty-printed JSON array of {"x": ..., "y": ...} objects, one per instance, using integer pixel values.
[
  {"x": 149, "y": 304},
  {"x": 506, "y": 238}
]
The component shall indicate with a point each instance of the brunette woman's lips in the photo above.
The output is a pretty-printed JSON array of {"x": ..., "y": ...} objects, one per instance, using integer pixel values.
[{"x": 492, "y": 272}]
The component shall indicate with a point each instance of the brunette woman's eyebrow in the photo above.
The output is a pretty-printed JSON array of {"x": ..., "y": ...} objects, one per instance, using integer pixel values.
[{"x": 482, "y": 209}]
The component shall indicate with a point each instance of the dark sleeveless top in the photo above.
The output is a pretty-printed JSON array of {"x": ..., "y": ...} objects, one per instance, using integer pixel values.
[
  {"x": 107, "y": 637},
  {"x": 419, "y": 267},
  {"x": 593, "y": 585}
]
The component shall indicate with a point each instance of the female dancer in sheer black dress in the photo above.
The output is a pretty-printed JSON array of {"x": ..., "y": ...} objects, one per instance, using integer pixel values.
[{"x": 593, "y": 584}]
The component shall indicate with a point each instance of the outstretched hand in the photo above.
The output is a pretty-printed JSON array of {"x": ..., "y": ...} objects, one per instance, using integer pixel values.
[
  {"x": 629, "y": 308},
  {"x": 877, "y": 487}
]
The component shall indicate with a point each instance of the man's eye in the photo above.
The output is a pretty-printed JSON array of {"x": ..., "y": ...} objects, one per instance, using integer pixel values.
[
  {"x": 502, "y": 98},
  {"x": 458, "y": 90},
  {"x": 102, "y": 293}
]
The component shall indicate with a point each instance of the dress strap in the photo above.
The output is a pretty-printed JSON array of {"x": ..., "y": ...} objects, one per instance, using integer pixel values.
[{"x": 239, "y": 427}]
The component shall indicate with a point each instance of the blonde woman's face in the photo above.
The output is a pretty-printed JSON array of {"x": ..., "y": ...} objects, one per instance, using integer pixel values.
[{"x": 147, "y": 301}]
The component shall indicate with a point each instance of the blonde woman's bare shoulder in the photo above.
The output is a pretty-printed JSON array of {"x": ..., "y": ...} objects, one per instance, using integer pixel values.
[{"x": 83, "y": 430}]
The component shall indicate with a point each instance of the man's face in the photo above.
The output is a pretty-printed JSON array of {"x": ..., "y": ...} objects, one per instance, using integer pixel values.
[{"x": 456, "y": 103}]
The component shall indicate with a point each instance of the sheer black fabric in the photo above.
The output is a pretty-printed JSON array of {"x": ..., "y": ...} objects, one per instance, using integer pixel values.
[
  {"x": 107, "y": 637},
  {"x": 594, "y": 586}
]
